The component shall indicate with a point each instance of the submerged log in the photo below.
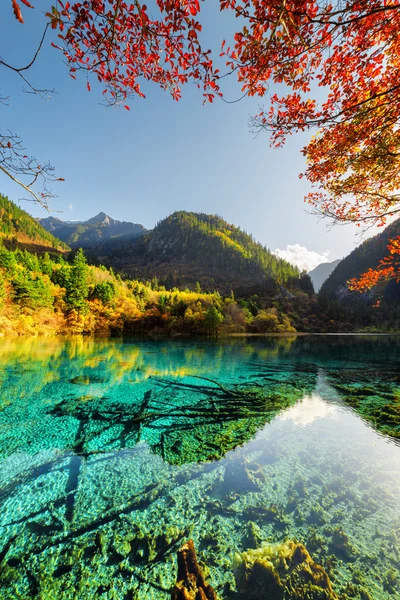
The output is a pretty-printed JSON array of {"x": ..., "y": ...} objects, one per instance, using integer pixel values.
[{"x": 191, "y": 584}]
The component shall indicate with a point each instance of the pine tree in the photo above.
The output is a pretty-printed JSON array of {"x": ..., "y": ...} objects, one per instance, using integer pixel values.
[
  {"x": 77, "y": 287},
  {"x": 213, "y": 319},
  {"x": 2, "y": 290}
]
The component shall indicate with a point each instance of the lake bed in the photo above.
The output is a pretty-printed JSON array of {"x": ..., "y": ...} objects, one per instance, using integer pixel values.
[{"x": 115, "y": 452}]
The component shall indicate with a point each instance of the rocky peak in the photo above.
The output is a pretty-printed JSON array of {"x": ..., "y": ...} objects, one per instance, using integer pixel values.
[{"x": 101, "y": 218}]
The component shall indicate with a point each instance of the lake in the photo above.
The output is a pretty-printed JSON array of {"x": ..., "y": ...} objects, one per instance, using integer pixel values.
[{"x": 115, "y": 453}]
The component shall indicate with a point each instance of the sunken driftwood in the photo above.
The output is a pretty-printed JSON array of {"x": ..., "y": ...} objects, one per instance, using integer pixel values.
[{"x": 191, "y": 584}]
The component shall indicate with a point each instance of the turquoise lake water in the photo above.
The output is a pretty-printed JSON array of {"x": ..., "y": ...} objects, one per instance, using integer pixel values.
[{"x": 114, "y": 453}]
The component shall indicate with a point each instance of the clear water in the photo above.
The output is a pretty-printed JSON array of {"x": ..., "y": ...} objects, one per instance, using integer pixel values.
[{"x": 113, "y": 453}]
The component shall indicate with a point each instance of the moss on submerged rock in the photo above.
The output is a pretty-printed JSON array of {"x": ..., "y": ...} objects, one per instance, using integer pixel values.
[
  {"x": 281, "y": 571},
  {"x": 342, "y": 545}
]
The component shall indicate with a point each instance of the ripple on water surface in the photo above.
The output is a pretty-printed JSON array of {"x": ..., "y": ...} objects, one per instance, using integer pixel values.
[{"x": 114, "y": 453}]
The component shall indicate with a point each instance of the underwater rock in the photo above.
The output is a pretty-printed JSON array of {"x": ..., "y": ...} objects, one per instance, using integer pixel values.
[
  {"x": 281, "y": 571},
  {"x": 253, "y": 535},
  {"x": 191, "y": 584},
  {"x": 144, "y": 546},
  {"x": 318, "y": 516},
  {"x": 391, "y": 581},
  {"x": 300, "y": 487},
  {"x": 242, "y": 477},
  {"x": 342, "y": 544}
]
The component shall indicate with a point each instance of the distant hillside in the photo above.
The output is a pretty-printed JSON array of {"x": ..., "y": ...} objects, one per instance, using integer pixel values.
[
  {"x": 321, "y": 273},
  {"x": 186, "y": 248},
  {"x": 367, "y": 255},
  {"x": 19, "y": 229},
  {"x": 97, "y": 230}
]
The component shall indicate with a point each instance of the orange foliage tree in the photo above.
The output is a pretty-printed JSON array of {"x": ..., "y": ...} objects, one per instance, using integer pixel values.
[{"x": 335, "y": 67}]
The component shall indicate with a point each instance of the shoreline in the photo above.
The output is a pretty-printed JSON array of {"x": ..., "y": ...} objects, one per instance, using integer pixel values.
[{"x": 164, "y": 336}]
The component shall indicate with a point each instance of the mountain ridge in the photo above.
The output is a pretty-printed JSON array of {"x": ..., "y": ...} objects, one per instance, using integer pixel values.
[
  {"x": 95, "y": 230},
  {"x": 321, "y": 273}
]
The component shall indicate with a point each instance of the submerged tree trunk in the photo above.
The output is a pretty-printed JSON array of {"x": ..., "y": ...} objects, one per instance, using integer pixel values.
[{"x": 191, "y": 584}]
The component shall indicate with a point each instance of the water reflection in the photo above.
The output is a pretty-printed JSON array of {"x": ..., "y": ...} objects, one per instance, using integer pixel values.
[{"x": 107, "y": 395}]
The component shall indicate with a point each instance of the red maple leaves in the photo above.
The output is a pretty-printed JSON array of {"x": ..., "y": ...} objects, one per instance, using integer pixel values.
[{"x": 121, "y": 44}]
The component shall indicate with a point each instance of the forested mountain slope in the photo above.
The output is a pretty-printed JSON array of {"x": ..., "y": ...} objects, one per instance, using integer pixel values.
[
  {"x": 366, "y": 256},
  {"x": 19, "y": 229},
  {"x": 187, "y": 247}
]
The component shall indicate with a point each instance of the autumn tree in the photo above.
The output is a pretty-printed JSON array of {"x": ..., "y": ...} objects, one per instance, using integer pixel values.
[
  {"x": 339, "y": 70},
  {"x": 329, "y": 67}
]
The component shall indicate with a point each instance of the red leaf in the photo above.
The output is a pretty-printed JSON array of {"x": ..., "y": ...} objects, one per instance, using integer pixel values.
[
  {"x": 127, "y": 107},
  {"x": 17, "y": 11}
]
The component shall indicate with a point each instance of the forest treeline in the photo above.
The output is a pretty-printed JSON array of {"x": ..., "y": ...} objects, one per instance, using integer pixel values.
[
  {"x": 51, "y": 294},
  {"x": 57, "y": 294},
  {"x": 212, "y": 278}
]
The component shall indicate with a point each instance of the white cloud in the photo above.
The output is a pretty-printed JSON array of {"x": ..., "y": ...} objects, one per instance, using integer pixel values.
[
  {"x": 303, "y": 258},
  {"x": 69, "y": 206},
  {"x": 308, "y": 410}
]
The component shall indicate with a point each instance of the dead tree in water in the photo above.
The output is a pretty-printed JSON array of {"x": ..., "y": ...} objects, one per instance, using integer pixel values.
[{"x": 191, "y": 584}]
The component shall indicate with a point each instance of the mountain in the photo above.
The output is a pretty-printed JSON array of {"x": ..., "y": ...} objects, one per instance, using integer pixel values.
[
  {"x": 367, "y": 255},
  {"x": 97, "y": 230},
  {"x": 321, "y": 273},
  {"x": 187, "y": 247},
  {"x": 19, "y": 229}
]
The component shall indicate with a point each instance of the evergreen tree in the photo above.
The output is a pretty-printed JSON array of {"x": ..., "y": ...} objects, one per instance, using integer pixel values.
[
  {"x": 2, "y": 290},
  {"x": 31, "y": 290},
  {"x": 213, "y": 319},
  {"x": 105, "y": 292},
  {"x": 46, "y": 264},
  {"x": 77, "y": 287}
]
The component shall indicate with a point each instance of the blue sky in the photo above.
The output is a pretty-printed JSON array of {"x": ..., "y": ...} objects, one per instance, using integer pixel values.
[{"x": 161, "y": 156}]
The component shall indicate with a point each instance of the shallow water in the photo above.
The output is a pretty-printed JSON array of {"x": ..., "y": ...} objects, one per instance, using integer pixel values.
[{"x": 113, "y": 453}]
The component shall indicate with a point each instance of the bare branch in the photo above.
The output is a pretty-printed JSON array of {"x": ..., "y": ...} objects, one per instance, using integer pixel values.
[{"x": 24, "y": 170}]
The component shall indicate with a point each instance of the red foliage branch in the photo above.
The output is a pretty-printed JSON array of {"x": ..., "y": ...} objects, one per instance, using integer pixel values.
[
  {"x": 120, "y": 43},
  {"x": 388, "y": 268}
]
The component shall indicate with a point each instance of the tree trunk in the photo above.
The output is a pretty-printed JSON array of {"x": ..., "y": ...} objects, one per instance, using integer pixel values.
[{"x": 191, "y": 584}]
